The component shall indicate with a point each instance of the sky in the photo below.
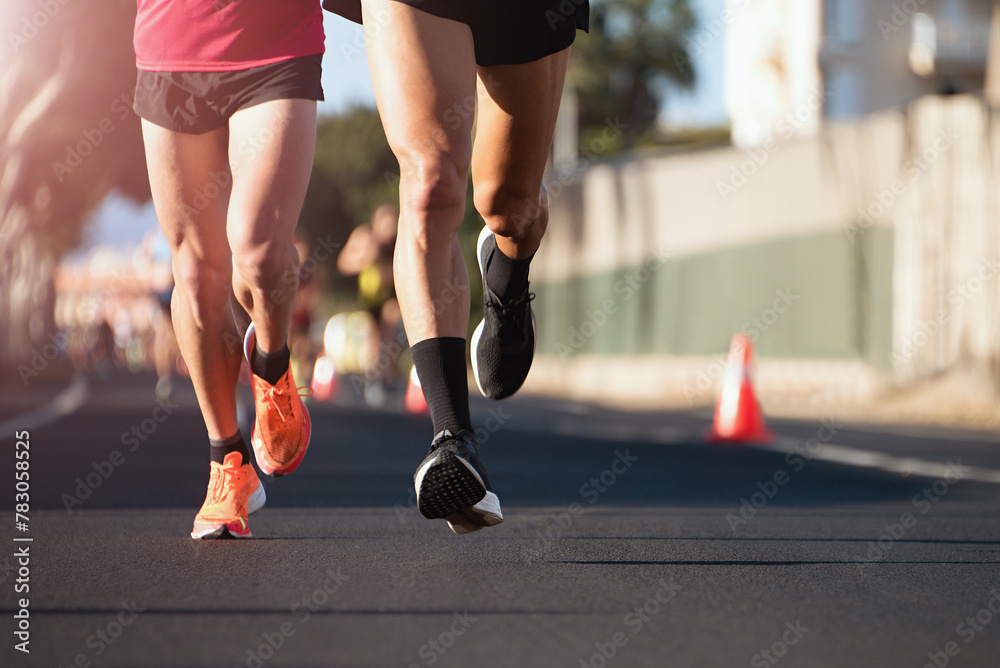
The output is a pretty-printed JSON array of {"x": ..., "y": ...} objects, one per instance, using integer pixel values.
[
  {"x": 346, "y": 82},
  {"x": 704, "y": 105},
  {"x": 345, "y": 68}
]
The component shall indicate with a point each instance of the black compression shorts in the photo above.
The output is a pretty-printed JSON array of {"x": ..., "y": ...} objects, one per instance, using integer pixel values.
[
  {"x": 505, "y": 32},
  {"x": 199, "y": 102}
]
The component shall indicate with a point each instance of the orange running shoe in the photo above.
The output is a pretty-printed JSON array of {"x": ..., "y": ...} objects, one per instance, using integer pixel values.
[
  {"x": 234, "y": 491},
  {"x": 282, "y": 428}
]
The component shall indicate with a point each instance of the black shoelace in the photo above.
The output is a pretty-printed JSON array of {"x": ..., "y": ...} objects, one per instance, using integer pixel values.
[{"x": 515, "y": 311}]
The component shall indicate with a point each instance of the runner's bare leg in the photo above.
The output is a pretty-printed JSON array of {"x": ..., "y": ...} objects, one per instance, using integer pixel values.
[{"x": 182, "y": 167}]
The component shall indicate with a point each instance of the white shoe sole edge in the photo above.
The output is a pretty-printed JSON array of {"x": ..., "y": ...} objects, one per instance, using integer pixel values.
[
  {"x": 483, "y": 236},
  {"x": 476, "y": 335},
  {"x": 257, "y": 499},
  {"x": 216, "y": 532},
  {"x": 251, "y": 331},
  {"x": 486, "y": 513}
]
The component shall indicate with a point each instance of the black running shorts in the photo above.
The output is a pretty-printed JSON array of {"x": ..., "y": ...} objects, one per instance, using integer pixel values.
[
  {"x": 505, "y": 32},
  {"x": 199, "y": 102}
]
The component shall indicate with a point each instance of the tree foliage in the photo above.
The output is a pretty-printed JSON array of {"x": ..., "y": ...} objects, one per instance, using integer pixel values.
[
  {"x": 67, "y": 138},
  {"x": 619, "y": 68}
]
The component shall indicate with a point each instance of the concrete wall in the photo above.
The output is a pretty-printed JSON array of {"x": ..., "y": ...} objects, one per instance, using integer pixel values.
[
  {"x": 947, "y": 255},
  {"x": 828, "y": 251}
]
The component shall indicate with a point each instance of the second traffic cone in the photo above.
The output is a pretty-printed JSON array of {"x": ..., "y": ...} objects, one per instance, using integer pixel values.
[
  {"x": 738, "y": 417},
  {"x": 414, "y": 401},
  {"x": 324, "y": 379}
]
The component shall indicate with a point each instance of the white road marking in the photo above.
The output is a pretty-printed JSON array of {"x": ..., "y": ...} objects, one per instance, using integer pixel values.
[
  {"x": 905, "y": 466},
  {"x": 65, "y": 403},
  {"x": 830, "y": 452}
]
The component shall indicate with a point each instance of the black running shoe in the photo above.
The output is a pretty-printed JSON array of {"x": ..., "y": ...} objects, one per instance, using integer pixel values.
[
  {"x": 503, "y": 344},
  {"x": 452, "y": 484}
]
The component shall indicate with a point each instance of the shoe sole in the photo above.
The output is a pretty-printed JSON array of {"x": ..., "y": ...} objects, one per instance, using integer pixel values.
[
  {"x": 257, "y": 443},
  {"x": 258, "y": 447},
  {"x": 484, "y": 514},
  {"x": 247, "y": 343},
  {"x": 229, "y": 530},
  {"x": 478, "y": 334},
  {"x": 446, "y": 485},
  {"x": 235, "y": 529}
]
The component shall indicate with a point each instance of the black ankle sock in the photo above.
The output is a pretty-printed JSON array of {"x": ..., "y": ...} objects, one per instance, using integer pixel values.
[
  {"x": 269, "y": 366},
  {"x": 443, "y": 377},
  {"x": 506, "y": 277},
  {"x": 234, "y": 443}
]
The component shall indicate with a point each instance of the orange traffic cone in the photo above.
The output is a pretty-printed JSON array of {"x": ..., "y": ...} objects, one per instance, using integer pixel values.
[
  {"x": 324, "y": 380},
  {"x": 414, "y": 400},
  {"x": 738, "y": 417}
]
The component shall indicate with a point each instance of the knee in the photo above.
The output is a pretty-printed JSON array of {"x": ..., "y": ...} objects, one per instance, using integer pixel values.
[
  {"x": 203, "y": 280},
  {"x": 263, "y": 263},
  {"x": 434, "y": 182},
  {"x": 511, "y": 210}
]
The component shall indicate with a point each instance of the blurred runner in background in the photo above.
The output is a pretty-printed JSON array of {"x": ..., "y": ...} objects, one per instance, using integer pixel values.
[
  {"x": 368, "y": 255},
  {"x": 301, "y": 319}
]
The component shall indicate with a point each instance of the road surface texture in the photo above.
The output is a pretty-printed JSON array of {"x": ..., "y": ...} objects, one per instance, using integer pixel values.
[{"x": 627, "y": 541}]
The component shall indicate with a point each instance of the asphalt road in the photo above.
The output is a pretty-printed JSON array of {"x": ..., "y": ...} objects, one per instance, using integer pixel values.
[{"x": 627, "y": 541}]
